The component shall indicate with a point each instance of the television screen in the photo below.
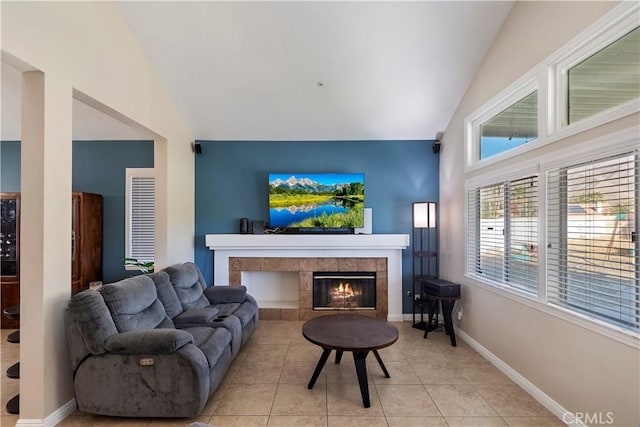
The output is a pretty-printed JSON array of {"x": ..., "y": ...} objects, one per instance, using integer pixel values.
[{"x": 316, "y": 200}]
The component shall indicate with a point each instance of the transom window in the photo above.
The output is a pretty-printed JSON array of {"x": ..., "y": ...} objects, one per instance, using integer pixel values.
[
  {"x": 512, "y": 127},
  {"x": 606, "y": 79},
  {"x": 592, "y": 80}
]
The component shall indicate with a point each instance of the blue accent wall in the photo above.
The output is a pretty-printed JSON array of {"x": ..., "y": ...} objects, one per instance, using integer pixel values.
[
  {"x": 98, "y": 167},
  {"x": 10, "y": 166},
  {"x": 231, "y": 181}
]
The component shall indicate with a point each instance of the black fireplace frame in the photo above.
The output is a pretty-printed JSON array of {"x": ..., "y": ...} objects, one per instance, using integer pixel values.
[{"x": 370, "y": 275}]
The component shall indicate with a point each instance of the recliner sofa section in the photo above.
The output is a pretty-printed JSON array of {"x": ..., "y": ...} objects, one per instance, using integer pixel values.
[
  {"x": 155, "y": 345},
  {"x": 189, "y": 301}
]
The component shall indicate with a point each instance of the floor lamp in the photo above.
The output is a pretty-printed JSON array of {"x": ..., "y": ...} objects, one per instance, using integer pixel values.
[{"x": 425, "y": 252}]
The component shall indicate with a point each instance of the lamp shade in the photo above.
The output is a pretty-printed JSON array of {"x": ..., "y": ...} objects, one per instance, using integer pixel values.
[{"x": 424, "y": 215}]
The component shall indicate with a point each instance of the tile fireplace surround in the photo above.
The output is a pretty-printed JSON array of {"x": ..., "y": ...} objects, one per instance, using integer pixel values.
[{"x": 236, "y": 255}]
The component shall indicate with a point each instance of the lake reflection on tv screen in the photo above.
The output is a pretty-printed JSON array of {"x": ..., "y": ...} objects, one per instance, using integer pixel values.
[{"x": 316, "y": 200}]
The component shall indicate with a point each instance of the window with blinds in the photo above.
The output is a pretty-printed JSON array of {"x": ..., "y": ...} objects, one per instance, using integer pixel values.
[
  {"x": 502, "y": 244},
  {"x": 514, "y": 126},
  {"x": 607, "y": 78},
  {"x": 140, "y": 214},
  {"x": 592, "y": 242}
]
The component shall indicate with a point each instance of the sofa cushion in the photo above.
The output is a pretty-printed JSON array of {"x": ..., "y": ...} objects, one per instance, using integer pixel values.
[
  {"x": 186, "y": 280},
  {"x": 134, "y": 304},
  {"x": 227, "y": 309},
  {"x": 197, "y": 315},
  {"x": 211, "y": 341},
  {"x": 246, "y": 312},
  {"x": 166, "y": 293},
  {"x": 87, "y": 310},
  {"x": 233, "y": 325}
]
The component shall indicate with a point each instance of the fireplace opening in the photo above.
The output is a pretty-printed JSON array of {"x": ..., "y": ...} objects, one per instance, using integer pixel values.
[{"x": 344, "y": 291}]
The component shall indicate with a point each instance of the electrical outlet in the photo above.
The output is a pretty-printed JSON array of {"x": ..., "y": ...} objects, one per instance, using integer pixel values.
[{"x": 460, "y": 313}]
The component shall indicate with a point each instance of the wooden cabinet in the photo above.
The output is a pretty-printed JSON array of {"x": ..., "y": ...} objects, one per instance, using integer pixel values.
[
  {"x": 86, "y": 241},
  {"x": 86, "y": 246}
]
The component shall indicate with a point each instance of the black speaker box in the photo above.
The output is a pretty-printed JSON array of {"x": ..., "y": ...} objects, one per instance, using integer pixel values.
[
  {"x": 244, "y": 225},
  {"x": 257, "y": 227},
  {"x": 442, "y": 288}
]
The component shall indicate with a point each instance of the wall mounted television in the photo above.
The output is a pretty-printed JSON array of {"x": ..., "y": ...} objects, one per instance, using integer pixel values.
[{"x": 316, "y": 202}]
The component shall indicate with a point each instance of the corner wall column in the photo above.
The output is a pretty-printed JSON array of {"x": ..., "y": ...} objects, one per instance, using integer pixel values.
[{"x": 45, "y": 243}]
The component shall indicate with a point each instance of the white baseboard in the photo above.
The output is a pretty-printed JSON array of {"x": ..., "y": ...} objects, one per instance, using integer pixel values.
[
  {"x": 544, "y": 399},
  {"x": 52, "y": 419}
]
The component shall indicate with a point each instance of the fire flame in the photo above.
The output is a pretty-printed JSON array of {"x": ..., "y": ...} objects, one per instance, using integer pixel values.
[{"x": 344, "y": 291}]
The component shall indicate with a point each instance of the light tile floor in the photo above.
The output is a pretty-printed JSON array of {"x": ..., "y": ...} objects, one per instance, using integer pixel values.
[{"x": 431, "y": 384}]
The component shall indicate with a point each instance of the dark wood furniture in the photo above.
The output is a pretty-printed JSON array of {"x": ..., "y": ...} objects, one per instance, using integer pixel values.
[
  {"x": 86, "y": 246},
  {"x": 86, "y": 242},
  {"x": 350, "y": 332}
]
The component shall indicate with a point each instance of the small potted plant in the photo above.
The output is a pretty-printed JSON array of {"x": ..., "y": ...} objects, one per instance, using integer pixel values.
[{"x": 143, "y": 266}]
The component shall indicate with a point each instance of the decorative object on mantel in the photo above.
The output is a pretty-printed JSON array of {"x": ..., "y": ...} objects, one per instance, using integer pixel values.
[{"x": 425, "y": 254}]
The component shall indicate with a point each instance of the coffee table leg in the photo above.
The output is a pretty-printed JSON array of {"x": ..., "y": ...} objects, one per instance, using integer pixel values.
[
  {"x": 379, "y": 359},
  {"x": 361, "y": 369},
  {"x": 319, "y": 366},
  {"x": 338, "y": 356}
]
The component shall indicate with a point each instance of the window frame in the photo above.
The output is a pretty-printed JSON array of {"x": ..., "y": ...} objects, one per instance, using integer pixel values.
[
  {"x": 588, "y": 44},
  {"x": 506, "y": 236},
  {"x": 593, "y": 149},
  {"x": 131, "y": 173},
  {"x": 549, "y": 78},
  {"x": 512, "y": 164},
  {"x": 558, "y": 270},
  {"x": 515, "y": 93}
]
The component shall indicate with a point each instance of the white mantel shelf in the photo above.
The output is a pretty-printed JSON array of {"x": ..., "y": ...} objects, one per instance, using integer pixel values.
[
  {"x": 390, "y": 246},
  {"x": 306, "y": 241}
]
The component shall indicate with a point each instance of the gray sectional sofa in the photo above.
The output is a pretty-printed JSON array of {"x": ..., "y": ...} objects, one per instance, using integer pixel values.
[{"x": 155, "y": 345}]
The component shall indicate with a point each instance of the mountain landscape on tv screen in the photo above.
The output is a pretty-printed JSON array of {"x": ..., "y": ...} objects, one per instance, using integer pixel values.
[{"x": 316, "y": 201}]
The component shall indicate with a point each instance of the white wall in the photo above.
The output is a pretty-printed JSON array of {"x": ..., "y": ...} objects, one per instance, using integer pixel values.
[
  {"x": 582, "y": 370},
  {"x": 84, "y": 49}
]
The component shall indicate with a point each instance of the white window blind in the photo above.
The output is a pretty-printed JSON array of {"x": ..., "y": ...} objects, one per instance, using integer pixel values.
[
  {"x": 522, "y": 253},
  {"x": 592, "y": 226},
  {"x": 503, "y": 233},
  {"x": 607, "y": 78},
  {"x": 491, "y": 254},
  {"x": 510, "y": 128},
  {"x": 141, "y": 214}
]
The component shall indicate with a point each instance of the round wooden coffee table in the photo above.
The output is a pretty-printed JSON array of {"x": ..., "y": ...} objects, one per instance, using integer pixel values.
[{"x": 350, "y": 332}]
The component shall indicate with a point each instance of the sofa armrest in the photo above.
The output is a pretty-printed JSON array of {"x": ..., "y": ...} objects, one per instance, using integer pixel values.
[
  {"x": 197, "y": 316},
  {"x": 225, "y": 294},
  {"x": 153, "y": 341},
  {"x": 251, "y": 300}
]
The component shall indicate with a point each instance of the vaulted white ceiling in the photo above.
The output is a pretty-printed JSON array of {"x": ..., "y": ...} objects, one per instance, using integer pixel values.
[{"x": 314, "y": 70}]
